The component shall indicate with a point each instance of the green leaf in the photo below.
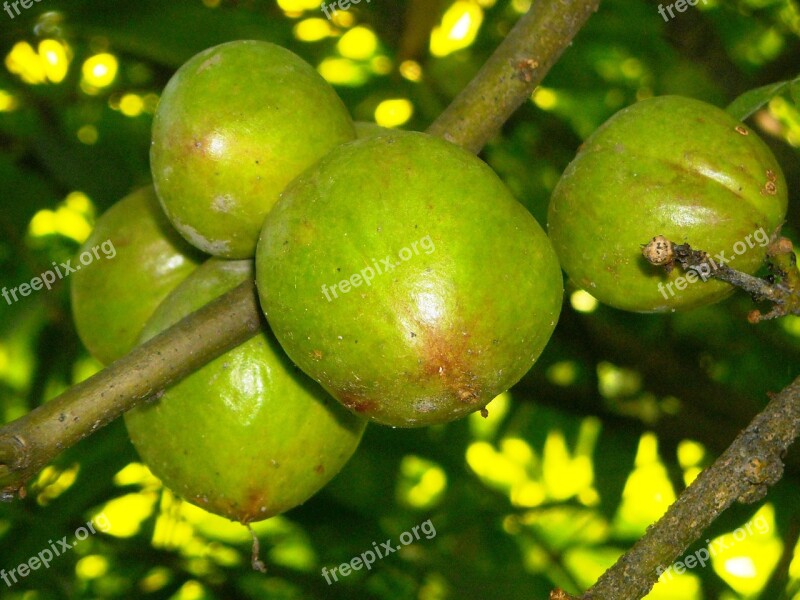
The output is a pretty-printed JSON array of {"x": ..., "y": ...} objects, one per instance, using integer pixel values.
[
  {"x": 749, "y": 102},
  {"x": 794, "y": 91}
]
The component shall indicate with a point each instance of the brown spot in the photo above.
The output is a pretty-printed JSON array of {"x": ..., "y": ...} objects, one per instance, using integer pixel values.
[
  {"x": 770, "y": 188},
  {"x": 484, "y": 412},
  {"x": 742, "y": 129},
  {"x": 449, "y": 359},
  {"x": 319, "y": 469},
  {"x": 771, "y": 176},
  {"x": 316, "y": 354},
  {"x": 254, "y": 508},
  {"x": 525, "y": 69},
  {"x": 467, "y": 395},
  {"x": 357, "y": 402},
  {"x": 659, "y": 251}
]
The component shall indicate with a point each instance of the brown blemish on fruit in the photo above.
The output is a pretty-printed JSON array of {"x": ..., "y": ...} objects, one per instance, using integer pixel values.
[
  {"x": 771, "y": 176},
  {"x": 446, "y": 357},
  {"x": 254, "y": 508},
  {"x": 357, "y": 402},
  {"x": 316, "y": 354},
  {"x": 770, "y": 188},
  {"x": 742, "y": 129},
  {"x": 319, "y": 469}
]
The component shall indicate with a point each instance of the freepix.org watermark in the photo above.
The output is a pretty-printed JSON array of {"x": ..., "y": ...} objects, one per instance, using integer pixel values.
[
  {"x": 703, "y": 271},
  {"x": 679, "y": 5},
  {"x": 26, "y": 4},
  {"x": 54, "y": 550},
  {"x": 367, "y": 274},
  {"x": 330, "y": 8},
  {"x": 702, "y": 556},
  {"x": 48, "y": 278},
  {"x": 368, "y": 558}
]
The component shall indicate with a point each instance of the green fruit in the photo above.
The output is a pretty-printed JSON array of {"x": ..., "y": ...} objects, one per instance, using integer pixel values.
[
  {"x": 247, "y": 436},
  {"x": 138, "y": 259},
  {"x": 235, "y": 124},
  {"x": 401, "y": 274},
  {"x": 667, "y": 166}
]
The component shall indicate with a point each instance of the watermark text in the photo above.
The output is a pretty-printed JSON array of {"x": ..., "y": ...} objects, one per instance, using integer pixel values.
[
  {"x": 54, "y": 550},
  {"x": 367, "y": 274},
  {"x": 702, "y": 556},
  {"x": 703, "y": 270},
  {"x": 48, "y": 278},
  {"x": 368, "y": 557}
]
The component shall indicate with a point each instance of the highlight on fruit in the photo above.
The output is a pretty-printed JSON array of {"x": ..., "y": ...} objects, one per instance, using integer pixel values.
[
  {"x": 458, "y": 317},
  {"x": 226, "y": 145},
  {"x": 247, "y": 436}
]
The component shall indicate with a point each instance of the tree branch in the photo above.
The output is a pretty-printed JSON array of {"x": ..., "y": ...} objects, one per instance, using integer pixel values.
[
  {"x": 507, "y": 79},
  {"x": 782, "y": 288},
  {"x": 32, "y": 441},
  {"x": 742, "y": 473}
]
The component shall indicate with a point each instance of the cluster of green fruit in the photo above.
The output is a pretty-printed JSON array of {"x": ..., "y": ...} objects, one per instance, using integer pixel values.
[{"x": 266, "y": 173}]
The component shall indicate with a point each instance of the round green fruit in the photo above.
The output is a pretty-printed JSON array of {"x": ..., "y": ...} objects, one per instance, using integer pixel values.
[
  {"x": 672, "y": 167},
  {"x": 137, "y": 259},
  {"x": 401, "y": 274},
  {"x": 235, "y": 124},
  {"x": 248, "y": 436}
]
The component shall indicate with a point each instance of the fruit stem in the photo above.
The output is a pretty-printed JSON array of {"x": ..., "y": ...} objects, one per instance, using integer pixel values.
[
  {"x": 511, "y": 74},
  {"x": 781, "y": 288}
]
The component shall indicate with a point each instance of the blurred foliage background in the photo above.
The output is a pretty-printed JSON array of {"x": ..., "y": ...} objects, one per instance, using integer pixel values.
[{"x": 619, "y": 414}]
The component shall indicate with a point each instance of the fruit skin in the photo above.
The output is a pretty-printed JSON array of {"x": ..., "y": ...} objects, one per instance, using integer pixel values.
[
  {"x": 235, "y": 124},
  {"x": 247, "y": 436},
  {"x": 113, "y": 297},
  {"x": 668, "y": 166},
  {"x": 365, "y": 129},
  {"x": 457, "y": 322}
]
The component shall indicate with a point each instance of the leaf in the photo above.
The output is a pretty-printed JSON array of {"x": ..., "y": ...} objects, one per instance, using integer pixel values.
[
  {"x": 794, "y": 90},
  {"x": 749, "y": 102}
]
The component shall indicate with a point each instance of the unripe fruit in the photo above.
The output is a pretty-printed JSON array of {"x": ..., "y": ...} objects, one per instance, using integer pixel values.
[
  {"x": 247, "y": 436},
  {"x": 401, "y": 274},
  {"x": 138, "y": 260},
  {"x": 235, "y": 124},
  {"x": 672, "y": 167}
]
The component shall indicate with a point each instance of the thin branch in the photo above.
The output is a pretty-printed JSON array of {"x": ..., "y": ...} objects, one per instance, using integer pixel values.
[
  {"x": 742, "y": 473},
  {"x": 782, "y": 288},
  {"x": 32, "y": 441},
  {"x": 509, "y": 77}
]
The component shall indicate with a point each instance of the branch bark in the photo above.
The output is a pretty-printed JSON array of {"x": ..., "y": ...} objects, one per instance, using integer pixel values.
[
  {"x": 32, "y": 441},
  {"x": 513, "y": 71},
  {"x": 742, "y": 473}
]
